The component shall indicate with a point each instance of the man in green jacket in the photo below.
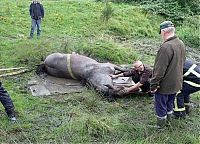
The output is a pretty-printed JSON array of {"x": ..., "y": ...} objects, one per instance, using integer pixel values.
[{"x": 167, "y": 76}]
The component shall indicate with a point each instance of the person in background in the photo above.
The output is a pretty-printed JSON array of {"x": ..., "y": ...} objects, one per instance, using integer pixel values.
[
  {"x": 191, "y": 84},
  {"x": 7, "y": 103},
  {"x": 167, "y": 76},
  {"x": 140, "y": 74},
  {"x": 37, "y": 14}
]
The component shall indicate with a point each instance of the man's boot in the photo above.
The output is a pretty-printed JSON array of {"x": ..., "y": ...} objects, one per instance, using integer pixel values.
[
  {"x": 11, "y": 114},
  {"x": 187, "y": 109},
  {"x": 161, "y": 123},
  {"x": 169, "y": 118},
  {"x": 179, "y": 114}
]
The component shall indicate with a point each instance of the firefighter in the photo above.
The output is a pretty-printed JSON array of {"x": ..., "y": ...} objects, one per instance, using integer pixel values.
[
  {"x": 6, "y": 101},
  {"x": 191, "y": 84}
]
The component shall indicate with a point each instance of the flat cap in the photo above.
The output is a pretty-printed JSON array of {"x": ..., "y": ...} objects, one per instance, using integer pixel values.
[{"x": 166, "y": 24}]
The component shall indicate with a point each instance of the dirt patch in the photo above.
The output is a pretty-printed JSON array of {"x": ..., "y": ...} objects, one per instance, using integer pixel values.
[
  {"x": 150, "y": 47},
  {"x": 48, "y": 85}
]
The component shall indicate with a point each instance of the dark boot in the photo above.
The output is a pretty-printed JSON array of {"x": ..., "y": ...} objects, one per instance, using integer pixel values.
[
  {"x": 161, "y": 123},
  {"x": 179, "y": 114},
  {"x": 11, "y": 115},
  {"x": 187, "y": 109},
  {"x": 169, "y": 118}
]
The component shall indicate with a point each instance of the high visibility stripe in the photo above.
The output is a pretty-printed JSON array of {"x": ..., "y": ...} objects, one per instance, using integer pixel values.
[
  {"x": 186, "y": 104},
  {"x": 170, "y": 112},
  {"x": 192, "y": 83},
  {"x": 164, "y": 117},
  {"x": 69, "y": 66},
  {"x": 176, "y": 109},
  {"x": 191, "y": 70}
]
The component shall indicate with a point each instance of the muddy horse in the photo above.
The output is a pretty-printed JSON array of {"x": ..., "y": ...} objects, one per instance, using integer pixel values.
[{"x": 85, "y": 69}]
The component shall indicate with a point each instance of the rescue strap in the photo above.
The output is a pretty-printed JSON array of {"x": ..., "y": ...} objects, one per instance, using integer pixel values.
[
  {"x": 176, "y": 109},
  {"x": 191, "y": 70},
  {"x": 170, "y": 112},
  {"x": 192, "y": 83},
  {"x": 9, "y": 69},
  {"x": 69, "y": 66},
  {"x": 13, "y": 73}
]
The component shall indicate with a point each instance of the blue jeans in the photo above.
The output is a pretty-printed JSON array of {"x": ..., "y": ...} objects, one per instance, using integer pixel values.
[
  {"x": 6, "y": 101},
  {"x": 34, "y": 24},
  {"x": 164, "y": 104}
]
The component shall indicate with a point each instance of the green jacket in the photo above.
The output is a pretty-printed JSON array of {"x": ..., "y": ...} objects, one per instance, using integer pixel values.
[{"x": 168, "y": 67}]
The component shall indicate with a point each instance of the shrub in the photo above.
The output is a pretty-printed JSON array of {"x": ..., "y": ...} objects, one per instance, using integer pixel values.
[
  {"x": 107, "y": 12},
  {"x": 190, "y": 32}
]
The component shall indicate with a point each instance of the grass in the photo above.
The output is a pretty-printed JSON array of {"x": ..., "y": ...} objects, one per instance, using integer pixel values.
[{"x": 82, "y": 117}]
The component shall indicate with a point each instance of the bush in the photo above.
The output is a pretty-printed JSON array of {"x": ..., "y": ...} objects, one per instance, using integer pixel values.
[
  {"x": 175, "y": 10},
  {"x": 190, "y": 32}
]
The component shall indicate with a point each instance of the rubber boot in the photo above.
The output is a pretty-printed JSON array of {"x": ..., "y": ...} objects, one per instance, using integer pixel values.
[
  {"x": 187, "y": 109},
  {"x": 179, "y": 114},
  {"x": 161, "y": 123},
  {"x": 169, "y": 117},
  {"x": 11, "y": 115}
]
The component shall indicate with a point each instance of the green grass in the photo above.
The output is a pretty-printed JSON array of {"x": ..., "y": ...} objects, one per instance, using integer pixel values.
[{"x": 83, "y": 117}]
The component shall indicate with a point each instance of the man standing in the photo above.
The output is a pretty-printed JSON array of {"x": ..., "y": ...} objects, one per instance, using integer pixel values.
[
  {"x": 140, "y": 74},
  {"x": 7, "y": 103},
  {"x": 167, "y": 72},
  {"x": 37, "y": 14},
  {"x": 191, "y": 84}
]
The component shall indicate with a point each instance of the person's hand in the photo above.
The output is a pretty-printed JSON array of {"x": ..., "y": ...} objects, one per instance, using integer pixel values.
[
  {"x": 124, "y": 91},
  {"x": 113, "y": 76},
  {"x": 153, "y": 91},
  {"x": 127, "y": 90}
]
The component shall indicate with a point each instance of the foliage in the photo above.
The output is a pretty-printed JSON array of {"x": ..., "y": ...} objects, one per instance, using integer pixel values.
[
  {"x": 190, "y": 32},
  {"x": 107, "y": 12},
  {"x": 170, "y": 9},
  {"x": 176, "y": 10}
]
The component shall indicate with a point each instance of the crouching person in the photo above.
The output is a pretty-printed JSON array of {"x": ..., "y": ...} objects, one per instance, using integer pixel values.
[
  {"x": 191, "y": 84},
  {"x": 141, "y": 75},
  {"x": 7, "y": 103}
]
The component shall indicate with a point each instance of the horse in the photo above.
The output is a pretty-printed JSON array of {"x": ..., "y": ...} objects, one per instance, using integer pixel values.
[{"x": 84, "y": 69}]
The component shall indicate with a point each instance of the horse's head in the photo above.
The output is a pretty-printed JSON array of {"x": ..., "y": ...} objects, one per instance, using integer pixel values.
[{"x": 116, "y": 90}]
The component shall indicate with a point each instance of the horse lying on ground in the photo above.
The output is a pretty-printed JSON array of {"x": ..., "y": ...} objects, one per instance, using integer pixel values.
[{"x": 85, "y": 69}]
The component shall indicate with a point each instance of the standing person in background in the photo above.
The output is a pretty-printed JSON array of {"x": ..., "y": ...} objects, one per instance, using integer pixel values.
[
  {"x": 167, "y": 73},
  {"x": 37, "y": 14},
  {"x": 191, "y": 84},
  {"x": 7, "y": 103}
]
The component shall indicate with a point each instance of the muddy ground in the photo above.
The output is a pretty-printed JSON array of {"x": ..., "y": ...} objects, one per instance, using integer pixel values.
[{"x": 150, "y": 47}]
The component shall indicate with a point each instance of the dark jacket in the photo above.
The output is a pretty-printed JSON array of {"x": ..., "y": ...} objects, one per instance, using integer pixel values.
[
  {"x": 168, "y": 67},
  {"x": 191, "y": 72},
  {"x": 36, "y": 11},
  {"x": 143, "y": 77}
]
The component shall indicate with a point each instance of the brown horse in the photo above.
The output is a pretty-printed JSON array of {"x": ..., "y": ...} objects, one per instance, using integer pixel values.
[{"x": 75, "y": 66}]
